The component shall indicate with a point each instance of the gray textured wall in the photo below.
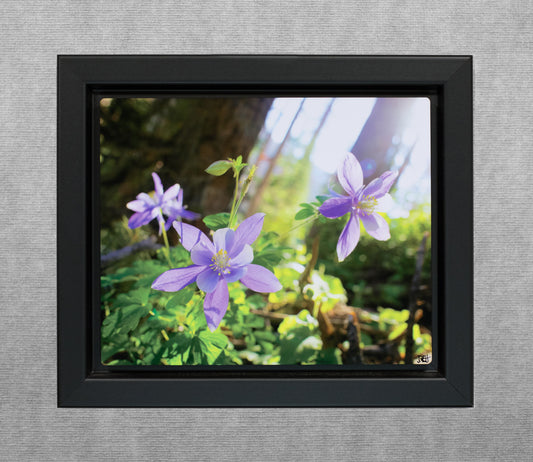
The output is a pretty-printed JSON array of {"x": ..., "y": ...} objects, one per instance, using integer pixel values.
[{"x": 497, "y": 33}]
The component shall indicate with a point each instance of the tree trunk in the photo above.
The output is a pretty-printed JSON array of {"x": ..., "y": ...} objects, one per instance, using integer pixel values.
[
  {"x": 373, "y": 146},
  {"x": 178, "y": 139}
]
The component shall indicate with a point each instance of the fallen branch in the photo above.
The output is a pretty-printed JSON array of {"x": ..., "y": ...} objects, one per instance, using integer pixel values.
[
  {"x": 269, "y": 314},
  {"x": 115, "y": 255}
]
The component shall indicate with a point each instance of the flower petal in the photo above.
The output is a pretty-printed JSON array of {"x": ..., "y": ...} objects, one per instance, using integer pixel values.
[
  {"x": 171, "y": 193},
  {"x": 336, "y": 207},
  {"x": 179, "y": 199},
  {"x": 156, "y": 212},
  {"x": 349, "y": 238},
  {"x": 202, "y": 254},
  {"x": 176, "y": 279},
  {"x": 145, "y": 198},
  {"x": 380, "y": 186},
  {"x": 245, "y": 257},
  {"x": 139, "y": 219},
  {"x": 158, "y": 186},
  {"x": 170, "y": 208},
  {"x": 376, "y": 226},
  {"x": 260, "y": 279},
  {"x": 188, "y": 215},
  {"x": 216, "y": 304},
  {"x": 138, "y": 205},
  {"x": 249, "y": 230},
  {"x": 223, "y": 239},
  {"x": 350, "y": 174},
  {"x": 235, "y": 274},
  {"x": 207, "y": 280},
  {"x": 168, "y": 223},
  {"x": 190, "y": 236}
]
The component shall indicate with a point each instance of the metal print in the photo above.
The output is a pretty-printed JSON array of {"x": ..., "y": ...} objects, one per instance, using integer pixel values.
[{"x": 265, "y": 231}]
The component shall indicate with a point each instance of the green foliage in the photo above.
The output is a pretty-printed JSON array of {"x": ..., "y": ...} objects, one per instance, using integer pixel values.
[
  {"x": 217, "y": 221},
  {"x": 380, "y": 272},
  {"x": 143, "y": 326},
  {"x": 268, "y": 252},
  {"x": 309, "y": 209},
  {"x": 299, "y": 339},
  {"x": 237, "y": 165},
  {"x": 325, "y": 290},
  {"x": 218, "y": 168},
  {"x": 306, "y": 211},
  {"x": 395, "y": 323}
]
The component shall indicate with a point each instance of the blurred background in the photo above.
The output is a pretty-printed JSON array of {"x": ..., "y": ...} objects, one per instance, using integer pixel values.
[{"x": 296, "y": 144}]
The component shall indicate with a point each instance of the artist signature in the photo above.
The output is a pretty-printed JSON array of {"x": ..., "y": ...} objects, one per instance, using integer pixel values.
[{"x": 423, "y": 359}]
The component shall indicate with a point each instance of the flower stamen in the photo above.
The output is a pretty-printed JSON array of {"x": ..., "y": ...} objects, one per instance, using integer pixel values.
[
  {"x": 367, "y": 205},
  {"x": 221, "y": 262}
]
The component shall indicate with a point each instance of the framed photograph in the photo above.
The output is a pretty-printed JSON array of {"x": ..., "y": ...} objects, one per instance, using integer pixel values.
[{"x": 265, "y": 231}]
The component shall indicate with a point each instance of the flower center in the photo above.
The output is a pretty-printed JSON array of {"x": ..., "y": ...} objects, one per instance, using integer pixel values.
[
  {"x": 221, "y": 262},
  {"x": 367, "y": 204}
]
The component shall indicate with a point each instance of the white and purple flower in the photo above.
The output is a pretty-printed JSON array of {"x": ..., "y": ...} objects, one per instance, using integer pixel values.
[
  {"x": 169, "y": 203},
  {"x": 227, "y": 259},
  {"x": 362, "y": 203}
]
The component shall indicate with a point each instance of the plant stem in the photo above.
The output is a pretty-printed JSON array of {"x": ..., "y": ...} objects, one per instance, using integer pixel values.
[
  {"x": 233, "y": 212},
  {"x": 166, "y": 250},
  {"x": 245, "y": 187},
  {"x": 299, "y": 225}
]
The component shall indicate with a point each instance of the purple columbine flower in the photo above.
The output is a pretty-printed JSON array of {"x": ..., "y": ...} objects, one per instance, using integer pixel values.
[
  {"x": 169, "y": 203},
  {"x": 361, "y": 202},
  {"x": 227, "y": 259}
]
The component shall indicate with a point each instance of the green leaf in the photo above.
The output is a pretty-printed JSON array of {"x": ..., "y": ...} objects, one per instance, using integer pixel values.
[
  {"x": 110, "y": 349},
  {"x": 397, "y": 331},
  {"x": 123, "y": 319},
  {"x": 366, "y": 339},
  {"x": 217, "y": 221},
  {"x": 266, "y": 336},
  {"x": 304, "y": 213},
  {"x": 219, "y": 167},
  {"x": 213, "y": 339},
  {"x": 195, "y": 319},
  {"x": 179, "y": 256},
  {"x": 256, "y": 301},
  {"x": 253, "y": 321},
  {"x": 329, "y": 356},
  {"x": 180, "y": 299},
  {"x": 298, "y": 338},
  {"x": 206, "y": 347},
  {"x": 268, "y": 258},
  {"x": 177, "y": 344},
  {"x": 322, "y": 199},
  {"x": 416, "y": 332},
  {"x": 238, "y": 164}
]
